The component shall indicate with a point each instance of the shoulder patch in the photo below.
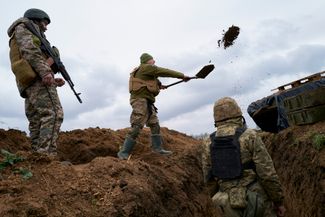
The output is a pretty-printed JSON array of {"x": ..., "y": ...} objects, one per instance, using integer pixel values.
[{"x": 36, "y": 41}]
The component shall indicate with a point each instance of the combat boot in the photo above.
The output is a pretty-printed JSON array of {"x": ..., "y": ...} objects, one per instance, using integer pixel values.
[
  {"x": 156, "y": 145},
  {"x": 126, "y": 149}
]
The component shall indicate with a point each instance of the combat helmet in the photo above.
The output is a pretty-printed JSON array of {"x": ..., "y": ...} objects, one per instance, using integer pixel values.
[
  {"x": 37, "y": 14},
  {"x": 226, "y": 108}
]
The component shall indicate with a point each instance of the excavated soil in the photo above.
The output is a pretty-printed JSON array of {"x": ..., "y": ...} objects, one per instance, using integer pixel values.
[
  {"x": 86, "y": 179},
  {"x": 229, "y": 37},
  {"x": 301, "y": 167}
]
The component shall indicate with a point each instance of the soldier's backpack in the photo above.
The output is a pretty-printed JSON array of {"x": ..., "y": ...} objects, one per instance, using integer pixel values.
[{"x": 225, "y": 156}]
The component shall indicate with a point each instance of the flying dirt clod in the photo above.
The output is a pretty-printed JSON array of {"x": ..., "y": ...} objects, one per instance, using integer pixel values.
[{"x": 229, "y": 37}]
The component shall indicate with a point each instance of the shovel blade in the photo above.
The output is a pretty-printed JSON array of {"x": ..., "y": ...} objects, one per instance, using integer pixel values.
[{"x": 205, "y": 71}]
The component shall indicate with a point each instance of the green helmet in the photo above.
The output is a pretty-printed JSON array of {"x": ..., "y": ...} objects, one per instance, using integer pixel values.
[
  {"x": 36, "y": 14},
  {"x": 226, "y": 108}
]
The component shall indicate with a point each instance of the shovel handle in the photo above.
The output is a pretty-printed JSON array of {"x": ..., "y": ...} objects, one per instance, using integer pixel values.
[
  {"x": 201, "y": 74},
  {"x": 169, "y": 85}
]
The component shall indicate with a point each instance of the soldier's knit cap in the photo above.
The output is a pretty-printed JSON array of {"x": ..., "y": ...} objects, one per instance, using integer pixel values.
[
  {"x": 38, "y": 14},
  {"x": 145, "y": 57}
]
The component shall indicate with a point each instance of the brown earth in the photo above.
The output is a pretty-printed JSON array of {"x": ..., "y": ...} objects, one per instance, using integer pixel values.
[
  {"x": 96, "y": 183},
  {"x": 86, "y": 179},
  {"x": 300, "y": 165},
  {"x": 229, "y": 37}
]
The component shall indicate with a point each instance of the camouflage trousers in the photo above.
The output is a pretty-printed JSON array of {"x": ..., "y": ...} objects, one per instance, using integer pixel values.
[
  {"x": 143, "y": 114},
  {"x": 45, "y": 115},
  {"x": 222, "y": 200}
]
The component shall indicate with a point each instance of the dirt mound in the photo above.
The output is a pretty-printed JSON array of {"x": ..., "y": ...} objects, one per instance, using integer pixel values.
[
  {"x": 14, "y": 140},
  {"x": 86, "y": 179},
  {"x": 80, "y": 183},
  {"x": 300, "y": 163}
]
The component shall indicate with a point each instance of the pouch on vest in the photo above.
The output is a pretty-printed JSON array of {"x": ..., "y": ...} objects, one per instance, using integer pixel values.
[
  {"x": 137, "y": 83},
  {"x": 225, "y": 156},
  {"x": 25, "y": 75},
  {"x": 237, "y": 197}
]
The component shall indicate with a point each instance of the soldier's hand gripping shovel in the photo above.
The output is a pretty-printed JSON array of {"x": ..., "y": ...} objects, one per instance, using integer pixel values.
[{"x": 201, "y": 74}]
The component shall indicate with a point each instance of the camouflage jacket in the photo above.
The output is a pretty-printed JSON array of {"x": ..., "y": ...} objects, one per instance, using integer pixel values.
[
  {"x": 151, "y": 72},
  {"x": 251, "y": 149},
  {"x": 29, "y": 47}
]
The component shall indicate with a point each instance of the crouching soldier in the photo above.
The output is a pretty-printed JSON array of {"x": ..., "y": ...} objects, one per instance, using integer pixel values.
[{"x": 238, "y": 161}]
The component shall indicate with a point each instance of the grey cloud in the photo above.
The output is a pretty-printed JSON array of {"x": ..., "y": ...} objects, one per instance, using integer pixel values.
[
  {"x": 98, "y": 86},
  {"x": 286, "y": 46},
  {"x": 273, "y": 34},
  {"x": 223, "y": 81},
  {"x": 308, "y": 58},
  {"x": 4, "y": 60}
]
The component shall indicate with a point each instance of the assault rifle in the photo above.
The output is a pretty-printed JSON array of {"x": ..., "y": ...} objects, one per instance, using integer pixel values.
[{"x": 57, "y": 66}]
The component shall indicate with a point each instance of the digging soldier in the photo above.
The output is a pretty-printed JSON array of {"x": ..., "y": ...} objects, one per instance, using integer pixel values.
[
  {"x": 237, "y": 159},
  {"x": 144, "y": 86},
  {"x": 35, "y": 79}
]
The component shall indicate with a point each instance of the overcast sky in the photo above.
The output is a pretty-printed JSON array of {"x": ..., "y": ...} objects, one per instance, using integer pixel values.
[{"x": 100, "y": 42}]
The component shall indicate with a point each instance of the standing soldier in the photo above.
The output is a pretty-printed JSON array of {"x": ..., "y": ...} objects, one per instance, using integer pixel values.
[
  {"x": 238, "y": 160},
  {"x": 144, "y": 86},
  {"x": 35, "y": 79}
]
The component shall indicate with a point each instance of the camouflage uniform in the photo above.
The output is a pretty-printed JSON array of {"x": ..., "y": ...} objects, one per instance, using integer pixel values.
[
  {"x": 142, "y": 100},
  {"x": 143, "y": 110},
  {"x": 42, "y": 105},
  {"x": 140, "y": 116},
  {"x": 232, "y": 195}
]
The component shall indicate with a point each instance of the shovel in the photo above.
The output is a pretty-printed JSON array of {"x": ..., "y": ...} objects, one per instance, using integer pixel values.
[{"x": 201, "y": 74}]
